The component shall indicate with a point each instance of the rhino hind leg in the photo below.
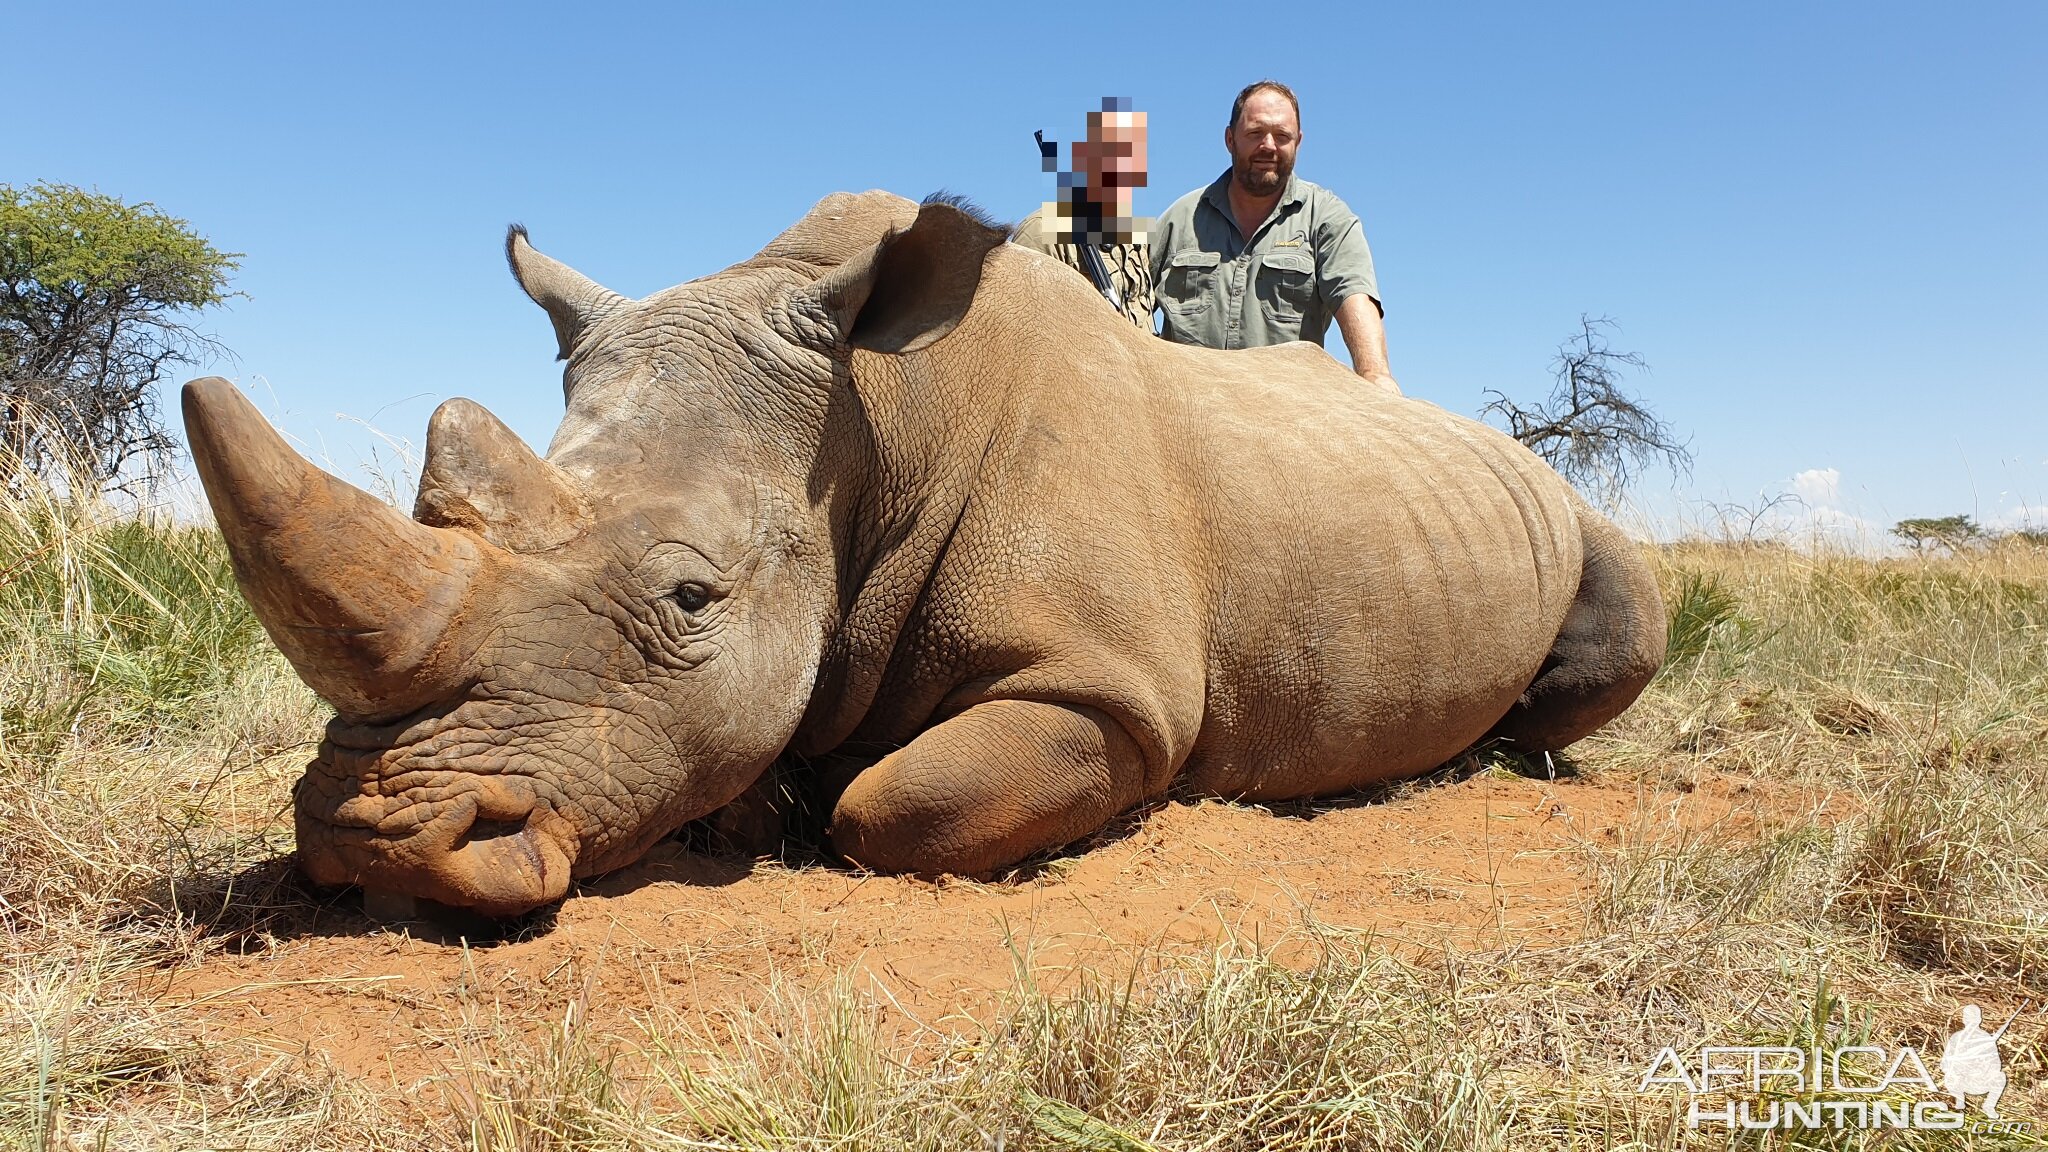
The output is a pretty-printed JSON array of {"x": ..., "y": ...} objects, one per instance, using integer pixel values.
[
  {"x": 999, "y": 782},
  {"x": 1611, "y": 645}
]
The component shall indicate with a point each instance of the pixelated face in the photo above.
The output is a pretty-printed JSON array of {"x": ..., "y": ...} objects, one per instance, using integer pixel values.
[
  {"x": 1262, "y": 143},
  {"x": 1113, "y": 156}
]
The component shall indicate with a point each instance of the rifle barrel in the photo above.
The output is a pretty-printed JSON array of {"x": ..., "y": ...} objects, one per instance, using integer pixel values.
[{"x": 2010, "y": 1019}]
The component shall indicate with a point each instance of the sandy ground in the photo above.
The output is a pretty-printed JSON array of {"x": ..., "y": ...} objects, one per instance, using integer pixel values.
[{"x": 1471, "y": 863}]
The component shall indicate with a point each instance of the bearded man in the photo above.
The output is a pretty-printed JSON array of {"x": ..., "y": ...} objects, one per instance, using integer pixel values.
[{"x": 1262, "y": 256}]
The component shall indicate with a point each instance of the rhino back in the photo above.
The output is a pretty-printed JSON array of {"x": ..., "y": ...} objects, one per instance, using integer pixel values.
[
  {"x": 1386, "y": 577},
  {"x": 1279, "y": 583}
]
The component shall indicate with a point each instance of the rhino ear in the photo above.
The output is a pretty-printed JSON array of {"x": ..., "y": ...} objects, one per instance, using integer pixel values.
[
  {"x": 479, "y": 475},
  {"x": 914, "y": 287},
  {"x": 573, "y": 301}
]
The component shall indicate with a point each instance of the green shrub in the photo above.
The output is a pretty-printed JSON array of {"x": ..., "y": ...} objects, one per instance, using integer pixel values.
[
  {"x": 120, "y": 625},
  {"x": 1706, "y": 618}
]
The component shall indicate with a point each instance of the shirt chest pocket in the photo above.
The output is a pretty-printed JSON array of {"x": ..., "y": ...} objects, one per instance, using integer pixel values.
[
  {"x": 1287, "y": 284},
  {"x": 1190, "y": 277}
]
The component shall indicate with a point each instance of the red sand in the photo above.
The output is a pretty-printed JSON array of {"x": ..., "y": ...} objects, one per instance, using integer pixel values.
[{"x": 1467, "y": 864}]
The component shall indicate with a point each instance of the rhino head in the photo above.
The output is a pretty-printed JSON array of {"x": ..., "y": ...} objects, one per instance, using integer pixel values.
[{"x": 557, "y": 661}]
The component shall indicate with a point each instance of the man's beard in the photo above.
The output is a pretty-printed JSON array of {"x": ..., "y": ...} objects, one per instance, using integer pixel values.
[{"x": 1262, "y": 181}]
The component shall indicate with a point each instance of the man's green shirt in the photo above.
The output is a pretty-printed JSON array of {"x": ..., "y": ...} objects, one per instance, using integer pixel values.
[{"x": 1218, "y": 289}]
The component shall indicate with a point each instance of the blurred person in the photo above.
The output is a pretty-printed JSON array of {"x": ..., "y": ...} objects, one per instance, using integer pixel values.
[{"x": 1094, "y": 213}]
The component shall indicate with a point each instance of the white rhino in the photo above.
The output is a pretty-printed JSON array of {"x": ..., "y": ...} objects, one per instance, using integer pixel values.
[{"x": 896, "y": 484}]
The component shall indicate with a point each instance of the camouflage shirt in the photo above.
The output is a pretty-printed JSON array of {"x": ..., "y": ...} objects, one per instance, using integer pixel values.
[{"x": 1130, "y": 265}]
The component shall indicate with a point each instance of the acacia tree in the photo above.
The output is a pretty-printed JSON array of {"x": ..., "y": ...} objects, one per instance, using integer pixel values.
[
  {"x": 1590, "y": 428},
  {"x": 96, "y": 303},
  {"x": 1951, "y": 532}
]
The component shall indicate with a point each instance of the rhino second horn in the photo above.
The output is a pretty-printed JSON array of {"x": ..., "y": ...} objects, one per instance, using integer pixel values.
[
  {"x": 481, "y": 476},
  {"x": 574, "y": 302},
  {"x": 365, "y": 603}
]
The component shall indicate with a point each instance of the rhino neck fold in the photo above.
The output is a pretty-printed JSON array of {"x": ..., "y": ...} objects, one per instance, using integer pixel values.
[{"x": 930, "y": 448}]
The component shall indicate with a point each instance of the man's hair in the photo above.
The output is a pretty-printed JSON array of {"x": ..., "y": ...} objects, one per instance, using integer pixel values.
[
  {"x": 1112, "y": 106},
  {"x": 1237, "y": 109}
]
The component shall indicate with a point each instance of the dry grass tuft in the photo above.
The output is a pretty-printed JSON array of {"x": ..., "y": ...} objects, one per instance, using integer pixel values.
[
  {"x": 1952, "y": 871},
  {"x": 93, "y": 1061}
]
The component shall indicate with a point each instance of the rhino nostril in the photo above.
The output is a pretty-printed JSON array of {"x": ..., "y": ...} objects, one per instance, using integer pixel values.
[
  {"x": 507, "y": 867},
  {"x": 486, "y": 829}
]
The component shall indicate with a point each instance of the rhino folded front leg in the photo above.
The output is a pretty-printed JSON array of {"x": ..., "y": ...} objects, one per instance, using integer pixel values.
[{"x": 988, "y": 788}]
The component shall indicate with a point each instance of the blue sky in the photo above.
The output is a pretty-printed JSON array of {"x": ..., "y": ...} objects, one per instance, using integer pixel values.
[{"x": 1824, "y": 226}]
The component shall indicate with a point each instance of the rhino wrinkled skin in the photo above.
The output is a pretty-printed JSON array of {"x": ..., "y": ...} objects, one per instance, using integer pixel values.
[{"x": 894, "y": 484}]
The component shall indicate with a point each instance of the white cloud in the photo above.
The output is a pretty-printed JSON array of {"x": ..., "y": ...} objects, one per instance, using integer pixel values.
[
  {"x": 1816, "y": 518},
  {"x": 1819, "y": 487},
  {"x": 2034, "y": 516}
]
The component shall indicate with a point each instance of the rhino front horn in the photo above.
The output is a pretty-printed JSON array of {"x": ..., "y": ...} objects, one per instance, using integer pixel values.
[{"x": 365, "y": 603}]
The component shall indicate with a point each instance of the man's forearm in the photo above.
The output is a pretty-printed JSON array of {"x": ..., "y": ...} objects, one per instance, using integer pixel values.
[{"x": 1358, "y": 318}]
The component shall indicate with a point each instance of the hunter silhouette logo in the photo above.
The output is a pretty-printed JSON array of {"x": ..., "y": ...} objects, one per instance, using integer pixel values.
[
  {"x": 1847, "y": 1086},
  {"x": 1969, "y": 1061}
]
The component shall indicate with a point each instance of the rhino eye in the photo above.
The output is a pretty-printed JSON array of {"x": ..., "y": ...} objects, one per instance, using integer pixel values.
[{"x": 692, "y": 596}]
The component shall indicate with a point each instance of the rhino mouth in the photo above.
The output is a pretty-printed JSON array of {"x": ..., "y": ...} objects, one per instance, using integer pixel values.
[
  {"x": 499, "y": 868},
  {"x": 461, "y": 852},
  {"x": 404, "y": 817}
]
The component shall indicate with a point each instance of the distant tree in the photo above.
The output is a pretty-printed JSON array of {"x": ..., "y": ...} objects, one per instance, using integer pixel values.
[
  {"x": 96, "y": 300},
  {"x": 1950, "y": 532},
  {"x": 1590, "y": 429},
  {"x": 1758, "y": 523}
]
